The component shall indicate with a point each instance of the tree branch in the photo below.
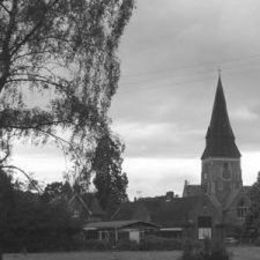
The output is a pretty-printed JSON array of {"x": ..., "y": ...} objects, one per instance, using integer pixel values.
[
  {"x": 32, "y": 182},
  {"x": 6, "y": 156},
  {"x": 18, "y": 45},
  {"x": 36, "y": 80},
  {"x": 5, "y": 8},
  {"x": 27, "y": 127},
  {"x": 28, "y": 54},
  {"x": 5, "y": 49}
]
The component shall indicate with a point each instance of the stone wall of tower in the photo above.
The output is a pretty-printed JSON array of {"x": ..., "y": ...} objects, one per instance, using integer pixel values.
[{"x": 221, "y": 177}]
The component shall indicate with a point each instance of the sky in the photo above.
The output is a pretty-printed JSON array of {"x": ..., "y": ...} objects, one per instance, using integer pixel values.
[{"x": 170, "y": 55}]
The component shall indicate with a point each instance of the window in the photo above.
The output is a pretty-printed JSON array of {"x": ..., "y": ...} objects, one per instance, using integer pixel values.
[
  {"x": 226, "y": 171},
  {"x": 204, "y": 227},
  {"x": 76, "y": 213},
  {"x": 204, "y": 233},
  {"x": 242, "y": 209}
]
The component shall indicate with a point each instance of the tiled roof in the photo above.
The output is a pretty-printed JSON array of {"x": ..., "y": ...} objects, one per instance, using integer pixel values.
[{"x": 220, "y": 140}]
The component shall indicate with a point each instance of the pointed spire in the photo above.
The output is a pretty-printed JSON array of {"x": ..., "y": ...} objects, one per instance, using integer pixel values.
[{"x": 220, "y": 140}]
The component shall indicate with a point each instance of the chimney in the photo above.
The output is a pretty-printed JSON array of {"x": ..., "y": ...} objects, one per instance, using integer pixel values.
[{"x": 169, "y": 196}]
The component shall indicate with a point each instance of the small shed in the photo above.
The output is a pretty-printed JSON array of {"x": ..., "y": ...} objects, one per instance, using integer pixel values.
[{"x": 133, "y": 230}]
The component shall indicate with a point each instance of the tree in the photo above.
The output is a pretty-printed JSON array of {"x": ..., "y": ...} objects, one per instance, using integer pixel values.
[
  {"x": 252, "y": 223},
  {"x": 56, "y": 190},
  {"x": 110, "y": 181},
  {"x": 62, "y": 52},
  {"x": 7, "y": 203},
  {"x": 27, "y": 221}
]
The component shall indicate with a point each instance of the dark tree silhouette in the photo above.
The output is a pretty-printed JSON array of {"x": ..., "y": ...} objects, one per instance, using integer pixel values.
[
  {"x": 252, "y": 223},
  {"x": 110, "y": 181}
]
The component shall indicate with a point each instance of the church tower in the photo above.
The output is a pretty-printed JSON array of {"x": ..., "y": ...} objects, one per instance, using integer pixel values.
[{"x": 221, "y": 172}]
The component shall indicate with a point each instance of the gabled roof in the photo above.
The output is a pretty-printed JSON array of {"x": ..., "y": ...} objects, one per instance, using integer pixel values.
[
  {"x": 220, "y": 140},
  {"x": 88, "y": 202}
]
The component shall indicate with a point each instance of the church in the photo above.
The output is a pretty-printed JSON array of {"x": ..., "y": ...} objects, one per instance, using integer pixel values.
[
  {"x": 216, "y": 207},
  {"x": 221, "y": 176}
]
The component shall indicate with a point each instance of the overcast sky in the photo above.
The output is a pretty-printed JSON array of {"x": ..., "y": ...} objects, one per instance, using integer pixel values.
[{"x": 170, "y": 55}]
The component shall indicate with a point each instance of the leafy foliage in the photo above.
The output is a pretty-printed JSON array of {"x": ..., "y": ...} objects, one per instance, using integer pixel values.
[
  {"x": 28, "y": 221},
  {"x": 110, "y": 181},
  {"x": 206, "y": 250},
  {"x": 7, "y": 203},
  {"x": 55, "y": 190},
  {"x": 59, "y": 71},
  {"x": 159, "y": 243},
  {"x": 252, "y": 223}
]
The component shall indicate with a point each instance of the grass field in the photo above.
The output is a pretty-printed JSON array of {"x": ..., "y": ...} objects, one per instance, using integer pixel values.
[
  {"x": 238, "y": 253},
  {"x": 165, "y": 255}
]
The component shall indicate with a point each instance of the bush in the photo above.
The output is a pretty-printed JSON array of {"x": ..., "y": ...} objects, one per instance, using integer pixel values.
[
  {"x": 204, "y": 251},
  {"x": 159, "y": 243},
  {"x": 257, "y": 241},
  {"x": 192, "y": 250},
  {"x": 97, "y": 245},
  {"x": 126, "y": 244}
]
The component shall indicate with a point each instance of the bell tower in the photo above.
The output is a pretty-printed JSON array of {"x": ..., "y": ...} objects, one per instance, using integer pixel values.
[{"x": 221, "y": 172}]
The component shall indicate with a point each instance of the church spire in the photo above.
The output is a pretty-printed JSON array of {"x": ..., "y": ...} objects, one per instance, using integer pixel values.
[{"x": 220, "y": 140}]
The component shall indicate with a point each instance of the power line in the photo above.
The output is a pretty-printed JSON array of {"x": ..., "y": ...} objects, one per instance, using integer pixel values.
[
  {"x": 196, "y": 66},
  {"x": 151, "y": 84}
]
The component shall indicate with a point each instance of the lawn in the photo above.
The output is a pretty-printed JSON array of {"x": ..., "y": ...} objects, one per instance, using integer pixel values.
[
  {"x": 164, "y": 255},
  {"x": 239, "y": 253}
]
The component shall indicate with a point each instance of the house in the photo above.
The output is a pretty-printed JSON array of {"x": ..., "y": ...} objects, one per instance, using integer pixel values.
[{"x": 113, "y": 231}]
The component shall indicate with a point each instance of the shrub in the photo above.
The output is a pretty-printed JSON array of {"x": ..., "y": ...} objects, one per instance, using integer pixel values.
[
  {"x": 204, "y": 251},
  {"x": 192, "y": 250},
  {"x": 126, "y": 244},
  {"x": 97, "y": 245},
  {"x": 257, "y": 241},
  {"x": 159, "y": 243},
  {"x": 219, "y": 252}
]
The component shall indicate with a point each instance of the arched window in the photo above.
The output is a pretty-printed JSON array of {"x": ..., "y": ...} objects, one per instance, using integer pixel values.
[
  {"x": 226, "y": 171},
  {"x": 242, "y": 209}
]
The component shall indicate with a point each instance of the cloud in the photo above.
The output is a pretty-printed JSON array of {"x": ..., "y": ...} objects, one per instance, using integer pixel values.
[
  {"x": 160, "y": 139},
  {"x": 170, "y": 54},
  {"x": 46, "y": 163},
  {"x": 150, "y": 176},
  {"x": 156, "y": 176},
  {"x": 244, "y": 114}
]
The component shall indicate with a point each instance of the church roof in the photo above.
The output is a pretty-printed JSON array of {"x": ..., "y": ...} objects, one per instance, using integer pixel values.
[{"x": 220, "y": 139}]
